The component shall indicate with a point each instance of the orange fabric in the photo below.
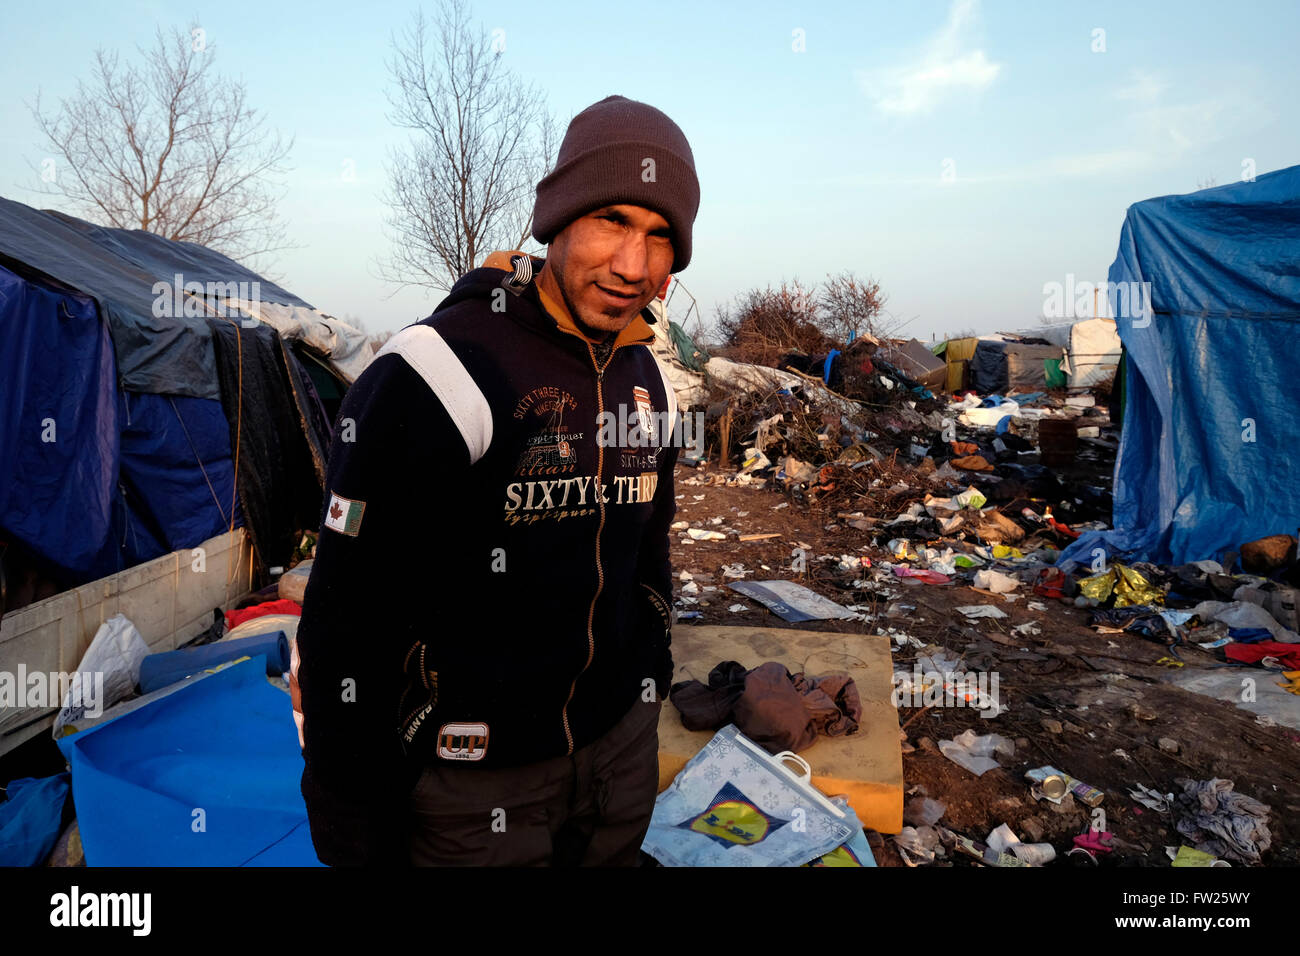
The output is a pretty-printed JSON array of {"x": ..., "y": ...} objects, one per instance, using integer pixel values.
[
  {"x": 501, "y": 260},
  {"x": 636, "y": 331}
]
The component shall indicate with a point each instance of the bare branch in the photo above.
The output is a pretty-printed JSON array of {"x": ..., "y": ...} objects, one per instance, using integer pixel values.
[
  {"x": 166, "y": 146},
  {"x": 480, "y": 140}
]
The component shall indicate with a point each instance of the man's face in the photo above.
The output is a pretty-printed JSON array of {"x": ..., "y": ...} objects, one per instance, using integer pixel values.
[{"x": 609, "y": 264}]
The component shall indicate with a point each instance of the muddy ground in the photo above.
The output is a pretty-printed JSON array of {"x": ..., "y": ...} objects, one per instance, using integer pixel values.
[{"x": 1092, "y": 705}]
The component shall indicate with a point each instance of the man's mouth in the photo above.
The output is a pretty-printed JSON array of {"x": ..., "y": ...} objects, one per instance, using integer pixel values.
[{"x": 620, "y": 298}]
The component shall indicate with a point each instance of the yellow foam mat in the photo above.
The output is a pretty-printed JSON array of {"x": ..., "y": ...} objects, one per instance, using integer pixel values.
[{"x": 867, "y": 766}]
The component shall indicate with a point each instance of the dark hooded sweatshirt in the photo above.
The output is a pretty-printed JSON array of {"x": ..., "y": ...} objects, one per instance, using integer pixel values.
[{"x": 491, "y": 580}]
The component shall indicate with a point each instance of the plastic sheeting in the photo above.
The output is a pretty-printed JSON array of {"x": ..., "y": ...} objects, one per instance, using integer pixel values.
[
  {"x": 1207, "y": 457},
  {"x": 347, "y": 348},
  {"x": 131, "y": 274},
  {"x": 30, "y": 819},
  {"x": 998, "y": 367},
  {"x": 1094, "y": 352},
  {"x": 177, "y": 473},
  {"x": 93, "y": 479},
  {"x": 207, "y": 776},
  {"x": 159, "y": 670},
  {"x": 60, "y": 424},
  {"x": 168, "y": 354},
  {"x": 280, "y": 485}
]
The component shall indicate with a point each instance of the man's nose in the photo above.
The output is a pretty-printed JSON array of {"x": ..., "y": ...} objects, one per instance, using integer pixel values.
[{"x": 631, "y": 261}]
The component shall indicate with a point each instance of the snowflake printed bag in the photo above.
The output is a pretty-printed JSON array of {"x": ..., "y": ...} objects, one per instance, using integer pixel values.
[{"x": 734, "y": 804}]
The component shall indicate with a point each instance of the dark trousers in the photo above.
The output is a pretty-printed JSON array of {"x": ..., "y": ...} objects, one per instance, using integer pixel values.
[{"x": 589, "y": 809}]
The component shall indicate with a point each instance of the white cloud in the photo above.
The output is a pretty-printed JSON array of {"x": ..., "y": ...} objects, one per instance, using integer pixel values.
[
  {"x": 945, "y": 65},
  {"x": 1145, "y": 88}
]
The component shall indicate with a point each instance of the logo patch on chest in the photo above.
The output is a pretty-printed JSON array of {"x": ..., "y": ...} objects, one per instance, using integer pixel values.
[{"x": 463, "y": 741}]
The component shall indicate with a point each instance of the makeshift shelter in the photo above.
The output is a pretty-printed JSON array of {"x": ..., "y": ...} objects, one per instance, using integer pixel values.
[
  {"x": 134, "y": 383},
  {"x": 1086, "y": 352},
  {"x": 1092, "y": 349},
  {"x": 1206, "y": 291},
  {"x": 916, "y": 361},
  {"x": 1001, "y": 363}
]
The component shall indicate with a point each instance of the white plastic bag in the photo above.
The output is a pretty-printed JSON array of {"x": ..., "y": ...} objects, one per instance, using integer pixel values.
[{"x": 108, "y": 672}]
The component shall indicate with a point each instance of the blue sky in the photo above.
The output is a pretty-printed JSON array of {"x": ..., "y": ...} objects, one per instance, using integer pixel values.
[{"x": 963, "y": 154}]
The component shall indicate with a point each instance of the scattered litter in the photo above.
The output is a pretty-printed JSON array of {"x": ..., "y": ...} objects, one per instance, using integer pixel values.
[
  {"x": 1221, "y": 822},
  {"x": 976, "y": 753},
  {"x": 734, "y": 570},
  {"x": 917, "y": 846},
  {"x": 737, "y": 608},
  {"x": 1188, "y": 856},
  {"x": 1004, "y": 840},
  {"x": 793, "y": 602},
  {"x": 995, "y": 581},
  {"x": 1028, "y": 629},
  {"x": 699, "y": 534},
  {"x": 1151, "y": 799},
  {"x": 922, "y": 811},
  {"x": 981, "y": 610},
  {"x": 924, "y": 576}
]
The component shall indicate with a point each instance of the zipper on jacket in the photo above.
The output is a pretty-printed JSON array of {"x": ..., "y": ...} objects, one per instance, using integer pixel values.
[{"x": 600, "y": 527}]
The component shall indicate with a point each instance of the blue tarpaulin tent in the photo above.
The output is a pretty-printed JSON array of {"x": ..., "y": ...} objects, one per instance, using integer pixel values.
[
  {"x": 117, "y": 442},
  {"x": 1208, "y": 456}
]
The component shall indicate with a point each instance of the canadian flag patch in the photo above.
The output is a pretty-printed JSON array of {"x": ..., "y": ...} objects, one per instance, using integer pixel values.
[{"x": 344, "y": 515}]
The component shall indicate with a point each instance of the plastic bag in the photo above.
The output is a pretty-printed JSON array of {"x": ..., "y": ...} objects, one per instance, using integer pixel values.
[{"x": 734, "y": 804}]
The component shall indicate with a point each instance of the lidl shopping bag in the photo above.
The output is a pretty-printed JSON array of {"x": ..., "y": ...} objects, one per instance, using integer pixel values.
[
  {"x": 734, "y": 804},
  {"x": 856, "y": 852}
]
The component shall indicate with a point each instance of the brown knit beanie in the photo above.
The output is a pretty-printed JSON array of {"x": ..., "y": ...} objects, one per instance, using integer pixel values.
[{"x": 621, "y": 151}]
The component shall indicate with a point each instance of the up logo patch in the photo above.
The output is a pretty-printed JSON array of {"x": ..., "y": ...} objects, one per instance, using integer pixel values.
[{"x": 463, "y": 741}]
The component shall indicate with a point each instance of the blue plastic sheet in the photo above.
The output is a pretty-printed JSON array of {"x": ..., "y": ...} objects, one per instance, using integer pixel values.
[
  {"x": 159, "y": 670},
  {"x": 226, "y": 746},
  {"x": 1208, "y": 458},
  {"x": 826, "y": 366},
  {"x": 58, "y": 390},
  {"x": 30, "y": 819},
  {"x": 176, "y": 463}
]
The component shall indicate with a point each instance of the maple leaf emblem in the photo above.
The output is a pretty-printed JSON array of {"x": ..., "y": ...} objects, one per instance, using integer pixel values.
[{"x": 335, "y": 511}]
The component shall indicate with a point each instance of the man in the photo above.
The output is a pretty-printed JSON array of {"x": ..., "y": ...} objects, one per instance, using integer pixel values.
[{"x": 484, "y": 643}]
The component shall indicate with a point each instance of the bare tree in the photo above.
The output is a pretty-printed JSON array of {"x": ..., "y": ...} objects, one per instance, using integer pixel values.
[
  {"x": 765, "y": 324},
  {"x": 166, "y": 146},
  {"x": 851, "y": 306},
  {"x": 481, "y": 140}
]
